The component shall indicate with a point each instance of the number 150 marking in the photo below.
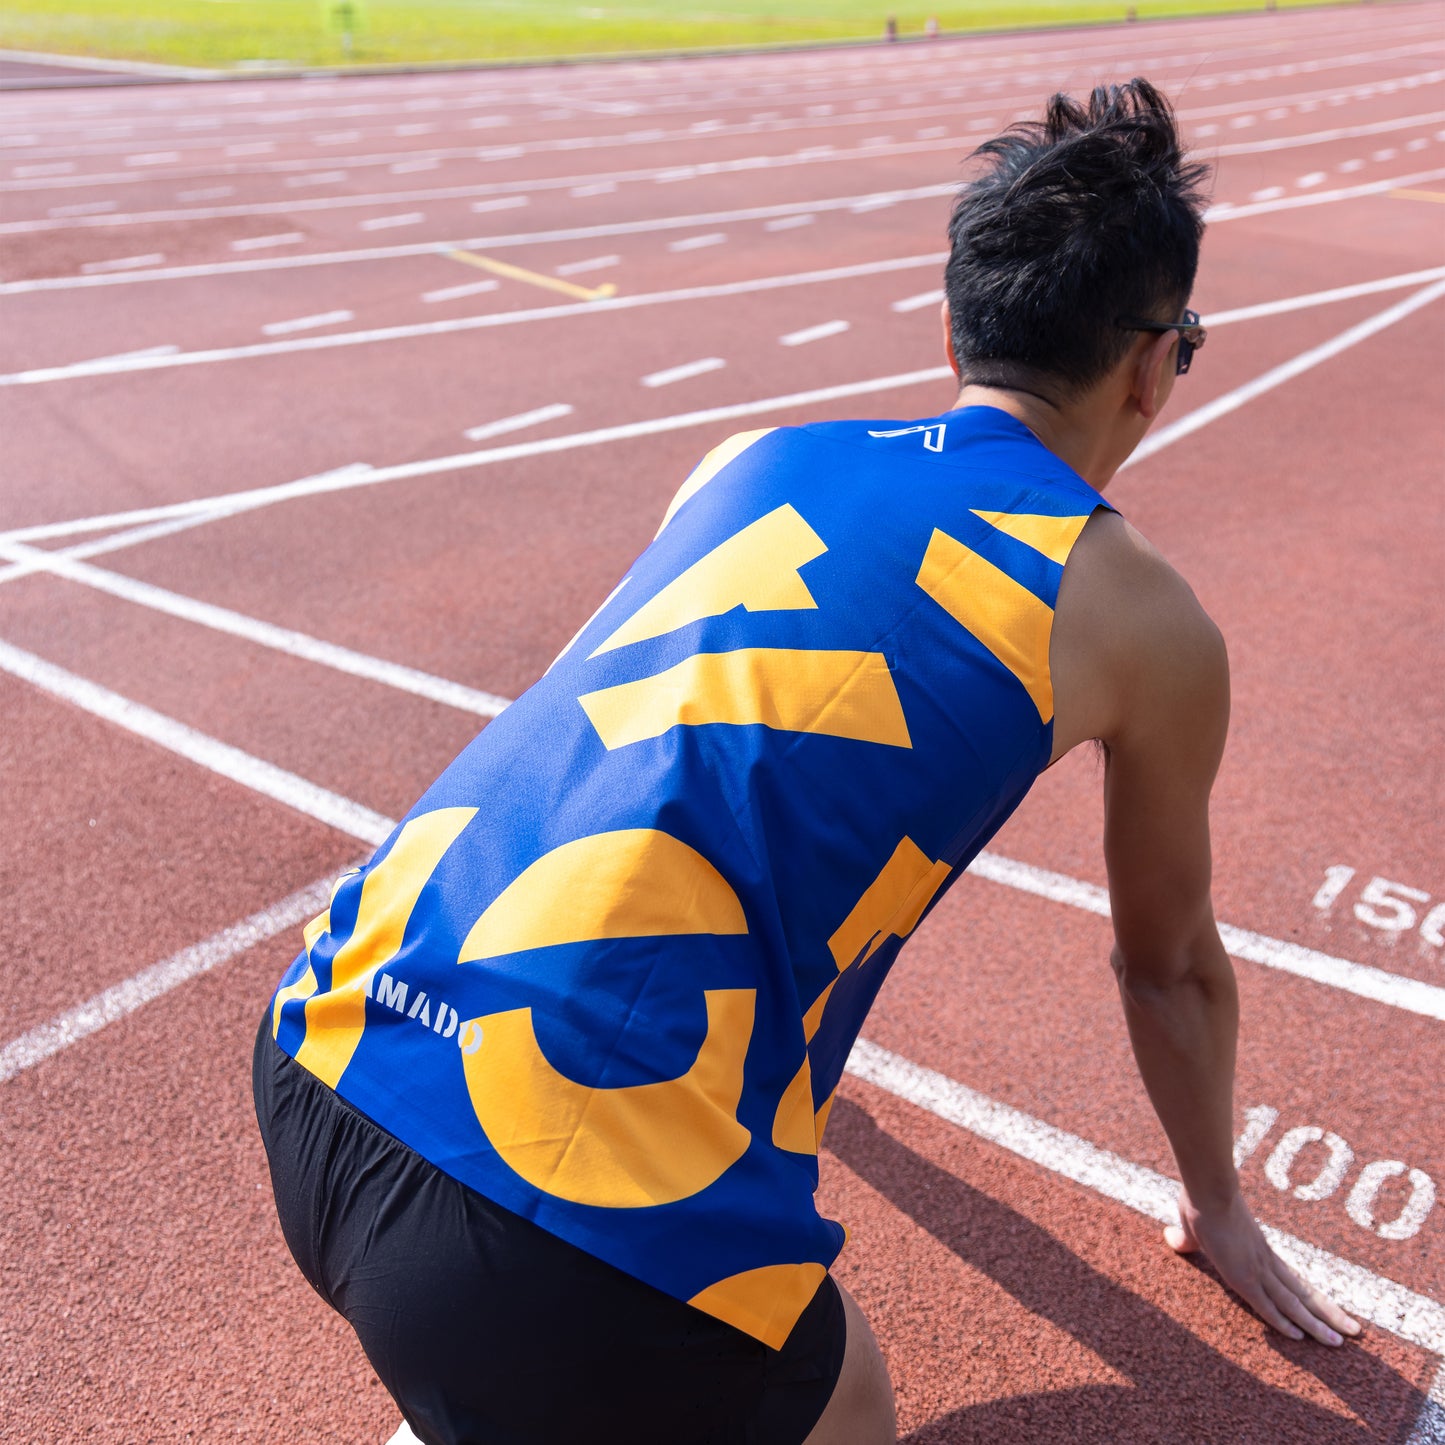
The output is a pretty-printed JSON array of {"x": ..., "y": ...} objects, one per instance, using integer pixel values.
[{"x": 1390, "y": 907}]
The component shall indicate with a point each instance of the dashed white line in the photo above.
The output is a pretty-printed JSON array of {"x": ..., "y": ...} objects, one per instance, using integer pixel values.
[
  {"x": 500, "y": 203},
  {"x": 1346, "y": 167},
  {"x": 577, "y": 268},
  {"x": 454, "y": 293},
  {"x": 918, "y": 302},
  {"x": 263, "y": 243},
  {"x": 813, "y": 333},
  {"x": 307, "y": 323},
  {"x": 154, "y": 158},
  {"x": 406, "y": 168},
  {"x": 252, "y": 148},
  {"x": 1388, "y": 154},
  {"x": 684, "y": 372},
  {"x": 316, "y": 178},
  {"x": 52, "y": 168},
  {"x": 788, "y": 223},
  {"x": 599, "y": 188},
  {"x": 120, "y": 263},
  {"x": 697, "y": 243},
  {"x": 337, "y": 137},
  {"x": 1269, "y": 193},
  {"x": 387, "y": 223},
  {"x": 518, "y": 422},
  {"x": 206, "y": 193},
  {"x": 1314, "y": 178}
]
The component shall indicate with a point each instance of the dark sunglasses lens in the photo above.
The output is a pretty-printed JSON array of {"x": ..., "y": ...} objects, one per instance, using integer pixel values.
[{"x": 1185, "y": 355}]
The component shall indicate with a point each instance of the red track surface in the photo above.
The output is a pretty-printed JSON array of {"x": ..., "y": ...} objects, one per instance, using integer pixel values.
[{"x": 146, "y": 1294}]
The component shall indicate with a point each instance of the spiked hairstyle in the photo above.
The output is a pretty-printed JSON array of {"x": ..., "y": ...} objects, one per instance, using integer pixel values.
[{"x": 1089, "y": 215}]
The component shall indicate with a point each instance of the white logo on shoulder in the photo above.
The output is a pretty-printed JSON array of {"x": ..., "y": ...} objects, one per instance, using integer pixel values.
[{"x": 932, "y": 435}]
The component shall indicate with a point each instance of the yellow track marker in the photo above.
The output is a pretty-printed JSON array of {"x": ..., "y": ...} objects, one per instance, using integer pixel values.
[
  {"x": 1418, "y": 195},
  {"x": 517, "y": 273}
]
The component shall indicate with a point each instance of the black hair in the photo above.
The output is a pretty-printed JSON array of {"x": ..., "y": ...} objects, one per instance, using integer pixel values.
[{"x": 1087, "y": 216}]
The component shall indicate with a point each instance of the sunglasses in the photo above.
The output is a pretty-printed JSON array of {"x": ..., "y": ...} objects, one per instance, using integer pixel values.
[{"x": 1191, "y": 335}]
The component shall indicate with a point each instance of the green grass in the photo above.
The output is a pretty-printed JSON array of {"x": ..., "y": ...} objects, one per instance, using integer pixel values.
[{"x": 225, "y": 33}]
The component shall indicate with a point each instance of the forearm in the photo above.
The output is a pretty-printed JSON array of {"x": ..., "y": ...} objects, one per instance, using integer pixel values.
[{"x": 1183, "y": 1032}]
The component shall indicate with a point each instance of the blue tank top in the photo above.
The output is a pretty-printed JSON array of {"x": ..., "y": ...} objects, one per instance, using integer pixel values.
[{"x": 608, "y": 970}]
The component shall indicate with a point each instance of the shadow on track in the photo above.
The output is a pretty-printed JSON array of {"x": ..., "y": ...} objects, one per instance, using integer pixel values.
[{"x": 1182, "y": 1389}]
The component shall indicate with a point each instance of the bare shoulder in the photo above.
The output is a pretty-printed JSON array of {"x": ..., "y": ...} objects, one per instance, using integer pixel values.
[{"x": 1132, "y": 647}]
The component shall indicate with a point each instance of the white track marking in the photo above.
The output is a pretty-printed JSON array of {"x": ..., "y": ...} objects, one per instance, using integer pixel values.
[
  {"x": 454, "y": 293},
  {"x": 84, "y": 208},
  {"x": 263, "y": 243},
  {"x": 924, "y": 298},
  {"x": 112, "y": 1004},
  {"x": 154, "y": 158},
  {"x": 1327, "y": 137},
  {"x": 1366, "y": 1295},
  {"x": 121, "y": 263},
  {"x": 783, "y": 216},
  {"x": 578, "y": 268},
  {"x": 813, "y": 333},
  {"x": 264, "y": 634},
  {"x": 387, "y": 223},
  {"x": 490, "y": 319},
  {"x": 1322, "y": 298},
  {"x": 1430, "y": 1427},
  {"x": 789, "y": 223},
  {"x": 501, "y": 203},
  {"x": 697, "y": 243},
  {"x": 208, "y": 752},
  {"x": 1394, "y": 990},
  {"x": 169, "y": 350},
  {"x": 1287, "y": 371},
  {"x": 306, "y": 323},
  {"x": 316, "y": 178},
  {"x": 516, "y": 423},
  {"x": 232, "y": 503},
  {"x": 685, "y": 372}
]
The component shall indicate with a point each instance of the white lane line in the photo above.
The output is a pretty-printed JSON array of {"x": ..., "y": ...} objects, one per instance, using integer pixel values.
[
  {"x": 387, "y": 223},
  {"x": 131, "y": 355},
  {"x": 120, "y": 263},
  {"x": 596, "y": 188},
  {"x": 1366, "y": 1295},
  {"x": 154, "y": 158},
  {"x": 1322, "y": 298},
  {"x": 114, "y": 1003},
  {"x": 208, "y": 752},
  {"x": 251, "y": 148},
  {"x": 453, "y": 293},
  {"x": 1430, "y": 1427},
  {"x": 813, "y": 333},
  {"x": 406, "y": 168},
  {"x": 500, "y": 203},
  {"x": 231, "y": 503},
  {"x": 1325, "y": 137},
  {"x": 696, "y": 243},
  {"x": 53, "y": 168},
  {"x": 577, "y": 268},
  {"x": 1231, "y": 211},
  {"x": 1394, "y": 990},
  {"x": 1287, "y": 371},
  {"x": 789, "y": 223},
  {"x": 208, "y": 193},
  {"x": 516, "y": 423},
  {"x": 922, "y": 299},
  {"x": 263, "y": 243},
  {"x": 307, "y": 323},
  {"x": 498, "y": 318},
  {"x": 684, "y": 372},
  {"x": 265, "y": 634}
]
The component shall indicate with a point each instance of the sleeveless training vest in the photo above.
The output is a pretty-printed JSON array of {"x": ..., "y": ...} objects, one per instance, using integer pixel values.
[{"x": 608, "y": 970}]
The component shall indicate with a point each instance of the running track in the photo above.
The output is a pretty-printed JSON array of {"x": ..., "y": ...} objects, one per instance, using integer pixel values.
[{"x": 293, "y": 501}]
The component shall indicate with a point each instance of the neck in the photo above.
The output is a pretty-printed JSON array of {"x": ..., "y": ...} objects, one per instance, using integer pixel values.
[{"x": 1073, "y": 432}]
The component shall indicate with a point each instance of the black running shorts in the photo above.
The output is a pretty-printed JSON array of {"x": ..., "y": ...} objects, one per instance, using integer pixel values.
[{"x": 486, "y": 1329}]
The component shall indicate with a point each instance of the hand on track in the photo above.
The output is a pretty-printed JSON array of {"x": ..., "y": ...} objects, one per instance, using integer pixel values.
[{"x": 1236, "y": 1246}]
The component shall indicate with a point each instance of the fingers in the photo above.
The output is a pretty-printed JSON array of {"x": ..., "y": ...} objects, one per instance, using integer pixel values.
[
  {"x": 1320, "y": 1305},
  {"x": 1295, "y": 1309}
]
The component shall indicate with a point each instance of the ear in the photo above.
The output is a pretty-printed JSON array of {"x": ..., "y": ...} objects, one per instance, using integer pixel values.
[
  {"x": 947, "y": 317},
  {"x": 1153, "y": 377}
]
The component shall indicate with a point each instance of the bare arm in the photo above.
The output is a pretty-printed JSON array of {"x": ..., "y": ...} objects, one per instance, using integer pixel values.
[{"x": 1164, "y": 728}]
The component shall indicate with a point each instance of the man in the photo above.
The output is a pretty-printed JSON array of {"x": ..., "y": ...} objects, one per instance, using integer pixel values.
[{"x": 554, "y": 1067}]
